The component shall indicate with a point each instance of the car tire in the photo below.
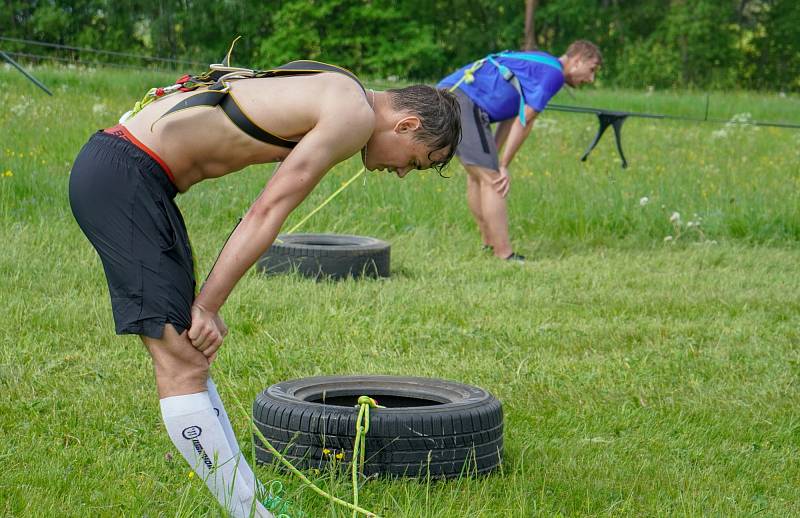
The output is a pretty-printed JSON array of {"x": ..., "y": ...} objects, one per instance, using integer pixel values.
[
  {"x": 334, "y": 256},
  {"x": 430, "y": 427}
]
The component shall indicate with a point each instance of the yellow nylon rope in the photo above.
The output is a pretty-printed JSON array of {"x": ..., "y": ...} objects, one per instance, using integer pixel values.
[
  {"x": 332, "y": 196},
  {"x": 329, "y": 198},
  {"x": 362, "y": 427},
  {"x": 354, "y": 506}
]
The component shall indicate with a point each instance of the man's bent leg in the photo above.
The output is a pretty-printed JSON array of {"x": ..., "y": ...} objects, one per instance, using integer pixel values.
[
  {"x": 493, "y": 210},
  {"x": 192, "y": 424}
]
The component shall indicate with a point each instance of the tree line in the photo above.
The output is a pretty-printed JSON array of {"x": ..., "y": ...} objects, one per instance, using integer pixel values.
[{"x": 715, "y": 44}]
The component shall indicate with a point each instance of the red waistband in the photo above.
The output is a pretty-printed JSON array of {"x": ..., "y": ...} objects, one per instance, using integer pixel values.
[{"x": 122, "y": 132}]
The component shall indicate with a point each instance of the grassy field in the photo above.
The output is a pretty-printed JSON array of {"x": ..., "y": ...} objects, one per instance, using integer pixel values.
[{"x": 648, "y": 364}]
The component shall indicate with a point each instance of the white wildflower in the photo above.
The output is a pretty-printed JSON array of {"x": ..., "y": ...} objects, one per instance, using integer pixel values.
[
  {"x": 17, "y": 110},
  {"x": 675, "y": 218},
  {"x": 644, "y": 200},
  {"x": 742, "y": 117},
  {"x": 668, "y": 239},
  {"x": 22, "y": 105}
]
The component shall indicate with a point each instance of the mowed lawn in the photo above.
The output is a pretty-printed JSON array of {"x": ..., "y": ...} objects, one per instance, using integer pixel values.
[{"x": 646, "y": 356}]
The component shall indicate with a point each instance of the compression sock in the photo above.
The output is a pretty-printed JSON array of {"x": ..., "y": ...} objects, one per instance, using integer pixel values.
[
  {"x": 196, "y": 432},
  {"x": 249, "y": 477}
]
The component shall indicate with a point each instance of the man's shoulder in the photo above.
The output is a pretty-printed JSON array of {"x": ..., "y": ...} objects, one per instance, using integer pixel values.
[
  {"x": 339, "y": 83},
  {"x": 343, "y": 104},
  {"x": 341, "y": 91}
]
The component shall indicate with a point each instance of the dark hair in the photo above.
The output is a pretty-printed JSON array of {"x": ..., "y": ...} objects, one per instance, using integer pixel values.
[
  {"x": 439, "y": 113},
  {"x": 585, "y": 49}
]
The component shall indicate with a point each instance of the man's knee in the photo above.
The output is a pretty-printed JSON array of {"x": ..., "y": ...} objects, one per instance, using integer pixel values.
[
  {"x": 179, "y": 367},
  {"x": 182, "y": 373},
  {"x": 481, "y": 175}
]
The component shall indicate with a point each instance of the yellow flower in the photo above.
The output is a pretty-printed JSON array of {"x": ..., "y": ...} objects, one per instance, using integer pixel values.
[
  {"x": 340, "y": 455},
  {"x": 8, "y": 173},
  {"x": 191, "y": 474},
  {"x": 326, "y": 451}
]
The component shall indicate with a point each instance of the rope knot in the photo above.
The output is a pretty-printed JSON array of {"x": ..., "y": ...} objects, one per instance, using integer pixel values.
[{"x": 366, "y": 400}]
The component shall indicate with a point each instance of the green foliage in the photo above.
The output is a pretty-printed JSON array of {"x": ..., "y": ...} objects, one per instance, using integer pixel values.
[
  {"x": 776, "y": 48},
  {"x": 371, "y": 37},
  {"x": 696, "y": 43}
]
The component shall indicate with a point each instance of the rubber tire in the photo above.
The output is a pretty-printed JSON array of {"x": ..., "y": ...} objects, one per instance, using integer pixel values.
[
  {"x": 463, "y": 435},
  {"x": 334, "y": 256}
]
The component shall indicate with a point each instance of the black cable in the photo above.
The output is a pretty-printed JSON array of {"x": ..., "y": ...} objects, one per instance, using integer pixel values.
[
  {"x": 24, "y": 72},
  {"x": 109, "y": 52},
  {"x": 86, "y": 63},
  {"x": 598, "y": 111}
]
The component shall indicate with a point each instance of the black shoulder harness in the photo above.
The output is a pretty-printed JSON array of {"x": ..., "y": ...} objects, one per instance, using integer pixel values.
[{"x": 217, "y": 93}]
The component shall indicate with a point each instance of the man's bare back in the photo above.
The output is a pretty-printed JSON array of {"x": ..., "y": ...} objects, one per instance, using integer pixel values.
[{"x": 202, "y": 142}]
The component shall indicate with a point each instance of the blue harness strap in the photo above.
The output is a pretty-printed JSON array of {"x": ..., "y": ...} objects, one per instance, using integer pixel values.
[{"x": 508, "y": 75}]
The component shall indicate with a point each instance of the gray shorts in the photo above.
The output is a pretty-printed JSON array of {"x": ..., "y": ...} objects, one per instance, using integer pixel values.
[{"x": 477, "y": 145}]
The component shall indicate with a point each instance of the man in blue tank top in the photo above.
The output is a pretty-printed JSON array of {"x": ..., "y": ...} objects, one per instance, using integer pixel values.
[{"x": 511, "y": 89}]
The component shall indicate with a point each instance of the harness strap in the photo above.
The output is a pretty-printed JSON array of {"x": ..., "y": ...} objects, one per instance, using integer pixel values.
[
  {"x": 217, "y": 80},
  {"x": 308, "y": 67},
  {"x": 508, "y": 75},
  {"x": 243, "y": 122},
  {"x": 218, "y": 94},
  {"x": 213, "y": 98}
]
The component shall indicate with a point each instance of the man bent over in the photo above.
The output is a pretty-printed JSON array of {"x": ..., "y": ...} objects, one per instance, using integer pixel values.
[
  {"x": 122, "y": 189},
  {"x": 510, "y": 88}
]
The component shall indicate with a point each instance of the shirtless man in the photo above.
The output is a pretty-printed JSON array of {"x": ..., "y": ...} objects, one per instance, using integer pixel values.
[{"x": 122, "y": 189}]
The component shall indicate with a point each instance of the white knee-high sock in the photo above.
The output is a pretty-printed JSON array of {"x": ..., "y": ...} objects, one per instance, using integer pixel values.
[
  {"x": 219, "y": 409},
  {"x": 196, "y": 432}
]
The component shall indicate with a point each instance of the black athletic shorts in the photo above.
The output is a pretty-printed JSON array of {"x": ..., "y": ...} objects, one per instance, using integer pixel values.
[{"x": 124, "y": 203}]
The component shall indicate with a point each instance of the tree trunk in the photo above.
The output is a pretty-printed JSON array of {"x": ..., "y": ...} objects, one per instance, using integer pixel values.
[{"x": 530, "y": 31}]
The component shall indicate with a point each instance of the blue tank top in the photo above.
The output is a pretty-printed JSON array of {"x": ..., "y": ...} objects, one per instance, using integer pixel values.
[{"x": 540, "y": 75}]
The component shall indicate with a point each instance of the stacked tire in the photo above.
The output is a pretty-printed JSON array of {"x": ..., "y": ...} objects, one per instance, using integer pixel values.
[{"x": 429, "y": 427}]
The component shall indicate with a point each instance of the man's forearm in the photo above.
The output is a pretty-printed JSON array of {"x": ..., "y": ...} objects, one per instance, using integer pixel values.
[
  {"x": 501, "y": 133},
  {"x": 516, "y": 136},
  {"x": 249, "y": 241}
]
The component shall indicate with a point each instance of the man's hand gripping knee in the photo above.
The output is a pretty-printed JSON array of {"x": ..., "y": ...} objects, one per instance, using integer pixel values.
[{"x": 207, "y": 331}]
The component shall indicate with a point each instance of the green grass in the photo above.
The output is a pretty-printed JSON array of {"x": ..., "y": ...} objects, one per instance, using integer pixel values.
[{"x": 639, "y": 377}]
